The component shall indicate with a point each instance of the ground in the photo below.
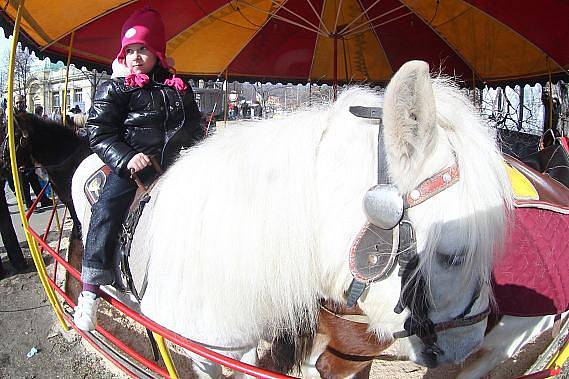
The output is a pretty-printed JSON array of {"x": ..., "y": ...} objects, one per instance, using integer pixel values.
[{"x": 28, "y": 323}]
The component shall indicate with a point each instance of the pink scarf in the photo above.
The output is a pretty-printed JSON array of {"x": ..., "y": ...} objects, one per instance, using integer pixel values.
[
  {"x": 136, "y": 80},
  {"x": 176, "y": 83},
  {"x": 140, "y": 80}
]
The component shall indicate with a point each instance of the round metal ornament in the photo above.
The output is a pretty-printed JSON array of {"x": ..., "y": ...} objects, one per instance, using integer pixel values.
[{"x": 383, "y": 206}]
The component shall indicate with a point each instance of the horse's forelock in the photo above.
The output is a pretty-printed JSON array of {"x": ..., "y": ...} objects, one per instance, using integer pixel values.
[{"x": 485, "y": 192}]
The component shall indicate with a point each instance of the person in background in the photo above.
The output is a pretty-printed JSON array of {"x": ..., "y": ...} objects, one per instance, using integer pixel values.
[
  {"x": 29, "y": 177},
  {"x": 56, "y": 115},
  {"x": 81, "y": 131},
  {"x": 76, "y": 109},
  {"x": 19, "y": 104},
  {"x": 7, "y": 232},
  {"x": 38, "y": 111},
  {"x": 148, "y": 112},
  {"x": 9, "y": 237}
]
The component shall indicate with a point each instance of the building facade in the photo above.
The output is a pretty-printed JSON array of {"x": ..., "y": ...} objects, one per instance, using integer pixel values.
[{"x": 46, "y": 87}]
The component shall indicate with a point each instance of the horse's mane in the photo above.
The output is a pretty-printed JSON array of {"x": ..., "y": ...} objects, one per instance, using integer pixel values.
[
  {"x": 244, "y": 173},
  {"x": 45, "y": 134}
]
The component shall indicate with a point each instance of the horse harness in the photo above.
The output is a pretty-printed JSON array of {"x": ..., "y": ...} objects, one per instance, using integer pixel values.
[{"x": 388, "y": 239}]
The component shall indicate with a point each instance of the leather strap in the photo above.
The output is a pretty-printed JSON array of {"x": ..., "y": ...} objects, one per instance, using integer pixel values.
[
  {"x": 375, "y": 113},
  {"x": 433, "y": 185}
]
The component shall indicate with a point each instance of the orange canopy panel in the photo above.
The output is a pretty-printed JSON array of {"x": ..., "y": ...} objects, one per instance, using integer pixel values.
[{"x": 485, "y": 41}]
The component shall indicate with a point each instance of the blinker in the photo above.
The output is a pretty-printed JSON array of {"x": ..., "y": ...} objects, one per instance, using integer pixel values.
[{"x": 383, "y": 206}]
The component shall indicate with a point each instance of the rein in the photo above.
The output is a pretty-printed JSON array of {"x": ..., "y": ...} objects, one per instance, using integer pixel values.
[
  {"x": 357, "y": 316},
  {"x": 457, "y": 322}
]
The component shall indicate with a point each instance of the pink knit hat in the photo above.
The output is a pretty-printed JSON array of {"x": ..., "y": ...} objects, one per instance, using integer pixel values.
[{"x": 145, "y": 26}]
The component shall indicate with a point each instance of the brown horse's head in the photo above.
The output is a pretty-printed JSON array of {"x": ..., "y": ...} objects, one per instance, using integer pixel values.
[{"x": 23, "y": 133}]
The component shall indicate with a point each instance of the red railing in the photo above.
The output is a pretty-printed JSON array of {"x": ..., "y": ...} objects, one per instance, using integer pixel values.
[{"x": 183, "y": 342}]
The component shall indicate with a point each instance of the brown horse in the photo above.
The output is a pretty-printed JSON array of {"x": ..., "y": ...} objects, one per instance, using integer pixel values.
[{"x": 54, "y": 147}]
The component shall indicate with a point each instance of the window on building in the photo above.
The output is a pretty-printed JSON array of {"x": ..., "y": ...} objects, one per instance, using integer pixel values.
[
  {"x": 56, "y": 100},
  {"x": 78, "y": 96},
  {"x": 78, "y": 99}
]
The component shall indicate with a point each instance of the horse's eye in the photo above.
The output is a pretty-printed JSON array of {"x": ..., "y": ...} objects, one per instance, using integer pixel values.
[{"x": 450, "y": 260}]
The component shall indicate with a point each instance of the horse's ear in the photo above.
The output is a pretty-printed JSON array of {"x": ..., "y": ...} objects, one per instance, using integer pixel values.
[{"x": 409, "y": 117}]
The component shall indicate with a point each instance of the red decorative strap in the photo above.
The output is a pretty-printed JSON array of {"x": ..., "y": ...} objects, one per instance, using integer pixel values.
[{"x": 435, "y": 184}]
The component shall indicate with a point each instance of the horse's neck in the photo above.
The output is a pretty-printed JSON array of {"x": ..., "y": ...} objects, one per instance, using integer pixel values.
[{"x": 54, "y": 149}]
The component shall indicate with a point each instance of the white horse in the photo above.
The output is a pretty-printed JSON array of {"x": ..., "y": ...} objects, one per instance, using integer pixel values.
[{"x": 250, "y": 229}]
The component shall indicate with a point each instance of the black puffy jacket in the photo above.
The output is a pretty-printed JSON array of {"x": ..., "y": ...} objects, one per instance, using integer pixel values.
[{"x": 156, "y": 120}]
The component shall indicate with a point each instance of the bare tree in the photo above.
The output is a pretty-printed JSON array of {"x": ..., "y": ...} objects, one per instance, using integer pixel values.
[
  {"x": 22, "y": 69},
  {"x": 3, "y": 77},
  {"x": 94, "y": 79},
  {"x": 515, "y": 109},
  {"x": 520, "y": 124}
]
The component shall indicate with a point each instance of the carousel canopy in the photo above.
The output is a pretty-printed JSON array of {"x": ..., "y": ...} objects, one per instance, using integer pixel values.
[{"x": 486, "y": 41}]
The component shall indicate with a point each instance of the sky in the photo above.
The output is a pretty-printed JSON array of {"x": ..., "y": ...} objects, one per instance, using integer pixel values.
[{"x": 4, "y": 42}]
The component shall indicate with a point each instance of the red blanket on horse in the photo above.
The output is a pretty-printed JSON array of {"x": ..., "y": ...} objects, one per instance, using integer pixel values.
[{"x": 532, "y": 276}]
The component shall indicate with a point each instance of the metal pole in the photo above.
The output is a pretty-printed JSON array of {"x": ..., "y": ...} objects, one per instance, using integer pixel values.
[
  {"x": 165, "y": 356},
  {"x": 36, "y": 256},
  {"x": 225, "y": 100},
  {"x": 550, "y": 95},
  {"x": 309, "y": 93},
  {"x": 473, "y": 88},
  {"x": 69, "y": 50},
  {"x": 335, "y": 66}
]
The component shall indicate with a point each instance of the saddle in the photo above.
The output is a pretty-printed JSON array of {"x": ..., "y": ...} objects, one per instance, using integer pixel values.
[{"x": 533, "y": 189}]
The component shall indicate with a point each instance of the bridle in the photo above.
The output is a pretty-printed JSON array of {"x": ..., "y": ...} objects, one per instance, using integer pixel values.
[{"x": 391, "y": 236}]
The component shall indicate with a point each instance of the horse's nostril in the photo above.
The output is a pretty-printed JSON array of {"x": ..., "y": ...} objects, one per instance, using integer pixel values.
[
  {"x": 431, "y": 355},
  {"x": 430, "y": 358}
]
